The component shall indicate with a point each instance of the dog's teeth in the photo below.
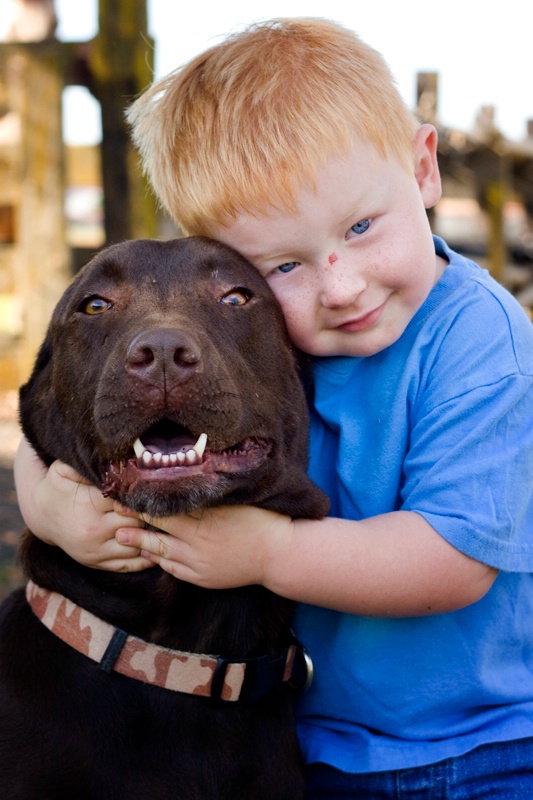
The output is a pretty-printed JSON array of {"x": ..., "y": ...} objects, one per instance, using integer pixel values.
[
  {"x": 139, "y": 448},
  {"x": 192, "y": 456},
  {"x": 199, "y": 447}
]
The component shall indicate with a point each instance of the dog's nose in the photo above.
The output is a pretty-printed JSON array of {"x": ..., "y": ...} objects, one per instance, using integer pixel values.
[{"x": 163, "y": 355}]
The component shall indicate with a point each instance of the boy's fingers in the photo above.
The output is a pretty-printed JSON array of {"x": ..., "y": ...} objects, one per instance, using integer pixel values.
[
  {"x": 64, "y": 471},
  {"x": 123, "y": 511},
  {"x": 117, "y": 557},
  {"x": 133, "y": 537},
  {"x": 137, "y": 564},
  {"x": 149, "y": 541}
]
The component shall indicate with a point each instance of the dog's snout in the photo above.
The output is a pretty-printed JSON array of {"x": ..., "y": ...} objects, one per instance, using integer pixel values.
[{"x": 163, "y": 355}]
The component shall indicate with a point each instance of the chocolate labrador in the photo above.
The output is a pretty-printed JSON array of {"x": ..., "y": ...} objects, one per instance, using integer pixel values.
[{"x": 167, "y": 379}]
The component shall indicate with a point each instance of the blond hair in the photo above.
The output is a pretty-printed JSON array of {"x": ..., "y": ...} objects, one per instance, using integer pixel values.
[{"x": 243, "y": 126}]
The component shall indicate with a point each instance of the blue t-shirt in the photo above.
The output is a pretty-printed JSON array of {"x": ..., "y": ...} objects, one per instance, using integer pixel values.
[{"x": 440, "y": 423}]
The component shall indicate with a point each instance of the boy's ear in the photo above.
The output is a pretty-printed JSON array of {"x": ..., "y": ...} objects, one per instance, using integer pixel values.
[{"x": 427, "y": 172}]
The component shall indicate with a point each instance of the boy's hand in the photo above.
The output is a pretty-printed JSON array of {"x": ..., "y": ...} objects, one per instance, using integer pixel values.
[
  {"x": 62, "y": 509},
  {"x": 218, "y": 548}
]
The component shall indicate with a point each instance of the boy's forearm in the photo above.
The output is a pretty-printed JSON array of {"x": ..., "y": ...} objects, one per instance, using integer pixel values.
[{"x": 392, "y": 565}]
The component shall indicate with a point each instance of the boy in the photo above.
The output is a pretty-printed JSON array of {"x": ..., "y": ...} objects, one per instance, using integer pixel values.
[{"x": 290, "y": 143}]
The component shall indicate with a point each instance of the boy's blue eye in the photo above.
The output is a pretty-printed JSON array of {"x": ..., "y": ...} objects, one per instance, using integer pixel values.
[
  {"x": 287, "y": 267},
  {"x": 361, "y": 227}
]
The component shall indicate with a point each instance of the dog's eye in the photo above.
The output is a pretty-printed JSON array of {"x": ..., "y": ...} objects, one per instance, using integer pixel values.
[
  {"x": 237, "y": 297},
  {"x": 95, "y": 305}
]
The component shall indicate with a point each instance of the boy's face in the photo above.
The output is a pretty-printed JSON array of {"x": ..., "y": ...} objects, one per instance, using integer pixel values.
[{"x": 356, "y": 260}]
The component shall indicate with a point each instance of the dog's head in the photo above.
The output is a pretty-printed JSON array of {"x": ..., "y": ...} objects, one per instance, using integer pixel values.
[{"x": 167, "y": 378}]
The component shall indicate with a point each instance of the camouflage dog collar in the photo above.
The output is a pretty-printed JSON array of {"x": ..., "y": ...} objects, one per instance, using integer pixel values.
[{"x": 191, "y": 673}]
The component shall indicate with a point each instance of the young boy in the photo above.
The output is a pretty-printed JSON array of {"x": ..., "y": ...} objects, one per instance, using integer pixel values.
[{"x": 290, "y": 143}]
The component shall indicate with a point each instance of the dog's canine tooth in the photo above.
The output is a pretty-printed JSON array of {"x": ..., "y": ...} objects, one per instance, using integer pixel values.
[
  {"x": 139, "y": 448},
  {"x": 199, "y": 447}
]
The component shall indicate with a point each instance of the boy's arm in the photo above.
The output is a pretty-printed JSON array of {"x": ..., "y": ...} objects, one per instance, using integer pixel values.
[
  {"x": 62, "y": 509},
  {"x": 395, "y": 564}
]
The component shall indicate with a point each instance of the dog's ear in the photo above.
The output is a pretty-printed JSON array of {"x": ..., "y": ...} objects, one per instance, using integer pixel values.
[
  {"x": 44, "y": 357},
  {"x": 37, "y": 405},
  {"x": 304, "y": 369}
]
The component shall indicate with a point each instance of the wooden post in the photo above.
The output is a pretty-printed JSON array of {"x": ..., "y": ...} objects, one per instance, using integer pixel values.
[
  {"x": 496, "y": 249},
  {"x": 491, "y": 171},
  {"x": 35, "y": 260},
  {"x": 121, "y": 66},
  {"x": 427, "y": 97},
  {"x": 40, "y": 258}
]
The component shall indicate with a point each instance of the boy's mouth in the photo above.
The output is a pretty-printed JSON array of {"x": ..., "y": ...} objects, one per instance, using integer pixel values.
[{"x": 363, "y": 322}]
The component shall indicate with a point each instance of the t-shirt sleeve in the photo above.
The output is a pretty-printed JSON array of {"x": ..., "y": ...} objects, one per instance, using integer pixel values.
[{"x": 469, "y": 466}]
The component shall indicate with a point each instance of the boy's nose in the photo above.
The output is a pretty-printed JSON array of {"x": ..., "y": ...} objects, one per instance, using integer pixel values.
[{"x": 340, "y": 283}]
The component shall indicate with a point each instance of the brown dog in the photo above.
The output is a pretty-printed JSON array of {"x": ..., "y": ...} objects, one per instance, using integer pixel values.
[{"x": 166, "y": 378}]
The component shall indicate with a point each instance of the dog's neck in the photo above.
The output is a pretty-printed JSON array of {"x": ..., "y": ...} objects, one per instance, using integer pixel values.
[
  {"x": 189, "y": 673},
  {"x": 156, "y": 607}
]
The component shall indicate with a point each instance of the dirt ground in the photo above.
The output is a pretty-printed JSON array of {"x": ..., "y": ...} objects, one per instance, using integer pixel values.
[{"x": 11, "y": 523}]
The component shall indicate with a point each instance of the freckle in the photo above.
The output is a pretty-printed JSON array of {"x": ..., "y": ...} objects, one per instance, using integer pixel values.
[{"x": 332, "y": 258}]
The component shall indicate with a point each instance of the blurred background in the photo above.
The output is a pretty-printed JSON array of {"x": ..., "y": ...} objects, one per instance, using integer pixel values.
[{"x": 69, "y": 178}]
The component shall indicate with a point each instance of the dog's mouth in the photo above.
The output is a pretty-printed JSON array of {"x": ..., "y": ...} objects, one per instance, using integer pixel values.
[
  {"x": 167, "y": 451},
  {"x": 164, "y": 445}
]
